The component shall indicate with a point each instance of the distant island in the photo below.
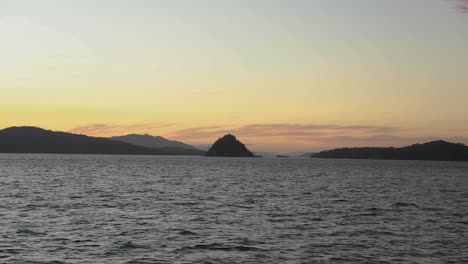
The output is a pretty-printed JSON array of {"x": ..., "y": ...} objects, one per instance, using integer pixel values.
[
  {"x": 158, "y": 142},
  {"x": 229, "y": 146},
  {"x": 38, "y": 140},
  {"x": 436, "y": 151}
]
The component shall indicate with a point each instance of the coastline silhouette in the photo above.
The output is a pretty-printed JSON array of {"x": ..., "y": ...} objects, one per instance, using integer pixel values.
[
  {"x": 29, "y": 139},
  {"x": 436, "y": 150},
  {"x": 38, "y": 140}
]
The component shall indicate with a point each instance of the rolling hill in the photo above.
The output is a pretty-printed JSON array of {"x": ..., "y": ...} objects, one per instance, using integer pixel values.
[
  {"x": 38, "y": 140},
  {"x": 435, "y": 150}
]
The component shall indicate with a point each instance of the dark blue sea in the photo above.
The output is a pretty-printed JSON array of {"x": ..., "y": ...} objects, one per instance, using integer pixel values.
[{"x": 151, "y": 209}]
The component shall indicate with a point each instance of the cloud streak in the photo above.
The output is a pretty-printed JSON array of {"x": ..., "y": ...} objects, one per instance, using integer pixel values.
[
  {"x": 287, "y": 132},
  {"x": 461, "y": 5},
  {"x": 279, "y": 131},
  {"x": 307, "y": 137},
  {"x": 291, "y": 137},
  {"x": 281, "y": 137},
  {"x": 106, "y": 130}
]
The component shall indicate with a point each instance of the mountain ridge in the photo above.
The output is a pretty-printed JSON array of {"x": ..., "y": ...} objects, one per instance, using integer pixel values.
[
  {"x": 30, "y": 139},
  {"x": 438, "y": 150},
  {"x": 150, "y": 141}
]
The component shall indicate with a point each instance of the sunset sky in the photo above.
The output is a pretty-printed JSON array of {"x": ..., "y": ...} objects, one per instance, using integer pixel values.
[{"x": 282, "y": 75}]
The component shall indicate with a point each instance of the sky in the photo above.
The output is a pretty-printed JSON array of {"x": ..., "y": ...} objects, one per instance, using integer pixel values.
[{"x": 281, "y": 75}]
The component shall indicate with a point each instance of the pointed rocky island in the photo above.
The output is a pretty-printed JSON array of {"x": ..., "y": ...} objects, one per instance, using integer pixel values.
[{"x": 229, "y": 146}]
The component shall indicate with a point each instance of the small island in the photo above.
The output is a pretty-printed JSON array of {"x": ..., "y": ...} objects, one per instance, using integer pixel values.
[{"x": 229, "y": 146}]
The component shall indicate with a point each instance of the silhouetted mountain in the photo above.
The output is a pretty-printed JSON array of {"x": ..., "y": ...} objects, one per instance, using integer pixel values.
[
  {"x": 171, "y": 146},
  {"x": 37, "y": 140},
  {"x": 436, "y": 150},
  {"x": 204, "y": 147},
  {"x": 229, "y": 146},
  {"x": 151, "y": 141},
  {"x": 183, "y": 151}
]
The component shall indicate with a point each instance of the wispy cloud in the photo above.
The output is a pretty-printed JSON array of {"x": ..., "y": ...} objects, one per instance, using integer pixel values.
[
  {"x": 299, "y": 134},
  {"x": 280, "y": 137},
  {"x": 105, "y": 130},
  {"x": 307, "y": 137},
  {"x": 291, "y": 132},
  {"x": 461, "y": 5}
]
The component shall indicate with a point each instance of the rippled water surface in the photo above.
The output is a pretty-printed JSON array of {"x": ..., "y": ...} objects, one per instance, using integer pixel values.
[{"x": 143, "y": 209}]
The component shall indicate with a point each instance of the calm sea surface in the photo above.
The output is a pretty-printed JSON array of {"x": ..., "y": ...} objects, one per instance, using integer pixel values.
[{"x": 147, "y": 209}]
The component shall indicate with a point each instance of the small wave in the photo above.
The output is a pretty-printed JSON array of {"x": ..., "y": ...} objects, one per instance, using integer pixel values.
[
  {"x": 433, "y": 209},
  {"x": 26, "y": 231},
  {"x": 371, "y": 233},
  {"x": 339, "y": 201},
  {"x": 447, "y": 190},
  {"x": 75, "y": 197},
  {"x": 221, "y": 247},
  {"x": 142, "y": 261},
  {"x": 187, "y": 233},
  {"x": 247, "y": 241},
  {"x": 368, "y": 214},
  {"x": 13, "y": 251},
  {"x": 131, "y": 245},
  {"x": 36, "y": 261},
  {"x": 371, "y": 211},
  {"x": 276, "y": 215},
  {"x": 81, "y": 222},
  {"x": 186, "y": 203},
  {"x": 198, "y": 219},
  {"x": 403, "y": 204},
  {"x": 82, "y": 241},
  {"x": 244, "y": 206},
  {"x": 90, "y": 245},
  {"x": 250, "y": 201},
  {"x": 282, "y": 220}
]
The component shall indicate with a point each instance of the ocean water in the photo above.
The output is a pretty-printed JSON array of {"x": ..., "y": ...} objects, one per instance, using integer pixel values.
[{"x": 149, "y": 209}]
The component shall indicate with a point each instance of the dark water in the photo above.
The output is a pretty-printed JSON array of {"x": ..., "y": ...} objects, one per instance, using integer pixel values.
[{"x": 130, "y": 209}]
